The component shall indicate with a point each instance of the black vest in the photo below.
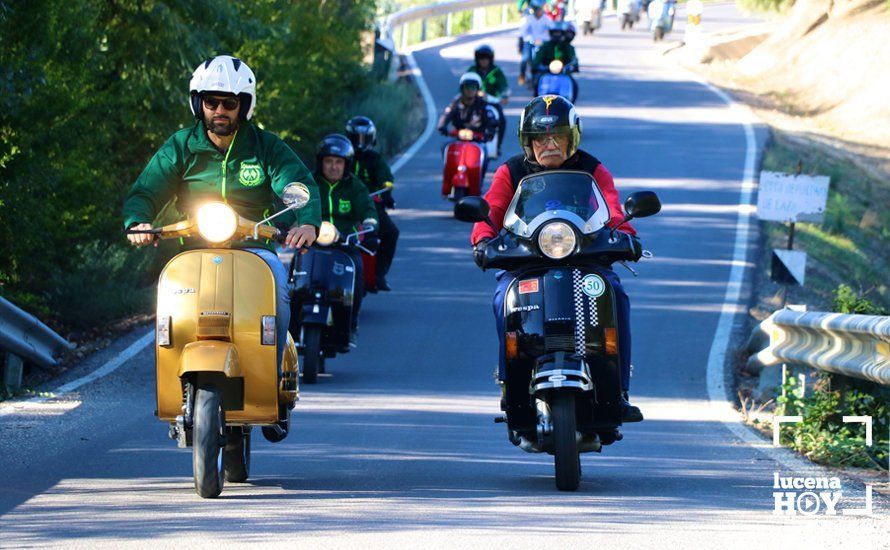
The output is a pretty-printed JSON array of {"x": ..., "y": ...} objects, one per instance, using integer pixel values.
[{"x": 520, "y": 167}]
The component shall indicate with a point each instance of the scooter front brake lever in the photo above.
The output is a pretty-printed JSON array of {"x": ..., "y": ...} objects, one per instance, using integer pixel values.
[{"x": 627, "y": 267}]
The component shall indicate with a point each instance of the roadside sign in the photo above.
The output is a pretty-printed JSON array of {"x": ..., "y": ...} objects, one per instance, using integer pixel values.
[
  {"x": 788, "y": 266},
  {"x": 791, "y": 198}
]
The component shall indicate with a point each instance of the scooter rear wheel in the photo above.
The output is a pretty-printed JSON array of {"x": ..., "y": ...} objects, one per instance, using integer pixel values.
[
  {"x": 236, "y": 456},
  {"x": 566, "y": 456},
  {"x": 209, "y": 426},
  {"x": 312, "y": 353}
]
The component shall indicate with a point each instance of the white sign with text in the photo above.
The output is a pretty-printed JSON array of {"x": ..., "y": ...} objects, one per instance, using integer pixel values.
[{"x": 791, "y": 198}]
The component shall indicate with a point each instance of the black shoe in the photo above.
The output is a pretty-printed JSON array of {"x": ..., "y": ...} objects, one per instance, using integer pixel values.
[
  {"x": 381, "y": 284},
  {"x": 629, "y": 413},
  {"x": 371, "y": 289}
]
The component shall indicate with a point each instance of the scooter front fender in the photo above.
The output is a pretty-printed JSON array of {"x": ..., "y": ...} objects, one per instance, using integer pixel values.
[{"x": 210, "y": 356}]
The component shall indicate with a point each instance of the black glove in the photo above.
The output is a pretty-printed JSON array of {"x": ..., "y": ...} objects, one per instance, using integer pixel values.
[
  {"x": 388, "y": 201},
  {"x": 637, "y": 248},
  {"x": 479, "y": 251},
  {"x": 371, "y": 241},
  {"x": 444, "y": 131}
]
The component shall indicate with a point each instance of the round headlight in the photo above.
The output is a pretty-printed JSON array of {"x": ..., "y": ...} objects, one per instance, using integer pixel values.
[
  {"x": 217, "y": 222},
  {"x": 327, "y": 234},
  {"x": 557, "y": 240}
]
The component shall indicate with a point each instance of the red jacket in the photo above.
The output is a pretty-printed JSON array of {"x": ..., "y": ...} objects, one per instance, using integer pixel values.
[{"x": 501, "y": 193}]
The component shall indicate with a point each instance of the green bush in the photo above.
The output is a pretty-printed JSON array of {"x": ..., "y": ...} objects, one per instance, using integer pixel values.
[
  {"x": 848, "y": 301},
  {"x": 823, "y": 436},
  {"x": 391, "y": 105}
]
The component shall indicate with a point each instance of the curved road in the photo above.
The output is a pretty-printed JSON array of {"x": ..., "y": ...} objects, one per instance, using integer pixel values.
[{"x": 397, "y": 446}]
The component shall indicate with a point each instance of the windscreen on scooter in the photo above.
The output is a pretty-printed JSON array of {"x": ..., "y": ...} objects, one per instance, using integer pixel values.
[{"x": 559, "y": 194}]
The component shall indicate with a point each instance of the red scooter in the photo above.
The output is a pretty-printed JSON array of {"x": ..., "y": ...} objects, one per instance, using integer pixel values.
[{"x": 464, "y": 165}]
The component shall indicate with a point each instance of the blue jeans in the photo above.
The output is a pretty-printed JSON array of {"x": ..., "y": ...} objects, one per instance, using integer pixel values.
[
  {"x": 282, "y": 298},
  {"x": 526, "y": 57},
  {"x": 622, "y": 307}
]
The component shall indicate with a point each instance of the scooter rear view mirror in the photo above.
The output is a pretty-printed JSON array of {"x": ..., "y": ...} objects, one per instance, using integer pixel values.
[
  {"x": 295, "y": 195},
  {"x": 472, "y": 209},
  {"x": 642, "y": 204}
]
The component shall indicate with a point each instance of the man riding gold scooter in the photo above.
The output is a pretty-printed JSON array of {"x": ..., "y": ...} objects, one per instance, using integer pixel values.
[{"x": 225, "y": 361}]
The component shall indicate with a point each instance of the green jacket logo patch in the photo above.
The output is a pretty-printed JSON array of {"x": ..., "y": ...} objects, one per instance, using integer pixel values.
[
  {"x": 345, "y": 206},
  {"x": 250, "y": 174}
]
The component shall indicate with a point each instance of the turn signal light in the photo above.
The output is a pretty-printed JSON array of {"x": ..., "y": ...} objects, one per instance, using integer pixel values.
[
  {"x": 512, "y": 341},
  {"x": 268, "y": 330},
  {"x": 611, "y": 341},
  {"x": 163, "y": 330}
]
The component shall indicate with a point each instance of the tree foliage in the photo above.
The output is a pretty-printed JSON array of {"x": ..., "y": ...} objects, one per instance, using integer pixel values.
[{"x": 89, "y": 89}]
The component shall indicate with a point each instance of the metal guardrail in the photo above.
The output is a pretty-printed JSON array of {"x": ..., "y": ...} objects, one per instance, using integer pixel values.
[
  {"x": 23, "y": 336},
  {"x": 851, "y": 345},
  {"x": 399, "y": 21}
]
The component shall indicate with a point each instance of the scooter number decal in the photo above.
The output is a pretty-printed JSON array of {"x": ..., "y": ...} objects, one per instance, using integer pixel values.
[
  {"x": 528, "y": 286},
  {"x": 593, "y": 286}
]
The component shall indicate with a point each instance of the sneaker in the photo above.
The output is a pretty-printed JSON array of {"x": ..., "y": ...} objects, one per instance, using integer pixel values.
[
  {"x": 382, "y": 284},
  {"x": 630, "y": 413}
]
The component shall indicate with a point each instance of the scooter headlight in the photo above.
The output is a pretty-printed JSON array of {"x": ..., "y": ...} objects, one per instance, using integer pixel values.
[
  {"x": 217, "y": 222},
  {"x": 327, "y": 234},
  {"x": 557, "y": 240},
  {"x": 556, "y": 66}
]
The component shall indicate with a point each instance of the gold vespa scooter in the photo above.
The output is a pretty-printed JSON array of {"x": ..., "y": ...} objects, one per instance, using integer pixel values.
[{"x": 216, "y": 344}]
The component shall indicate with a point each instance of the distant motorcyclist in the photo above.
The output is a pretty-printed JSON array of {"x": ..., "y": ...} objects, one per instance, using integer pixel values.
[
  {"x": 345, "y": 203},
  {"x": 559, "y": 47},
  {"x": 494, "y": 85},
  {"x": 471, "y": 111},
  {"x": 223, "y": 157},
  {"x": 550, "y": 134},
  {"x": 532, "y": 32},
  {"x": 372, "y": 169}
]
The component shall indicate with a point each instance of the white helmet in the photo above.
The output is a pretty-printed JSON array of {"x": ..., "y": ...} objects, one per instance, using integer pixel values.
[
  {"x": 223, "y": 74},
  {"x": 470, "y": 77}
]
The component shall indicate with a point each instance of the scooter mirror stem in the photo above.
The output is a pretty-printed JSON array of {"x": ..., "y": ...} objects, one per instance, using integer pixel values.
[
  {"x": 623, "y": 221},
  {"x": 272, "y": 217}
]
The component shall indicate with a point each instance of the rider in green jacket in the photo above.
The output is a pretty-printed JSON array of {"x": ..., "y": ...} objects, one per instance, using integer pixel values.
[
  {"x": 494, "y": 86},
  {"x": 225, "y": 158}
]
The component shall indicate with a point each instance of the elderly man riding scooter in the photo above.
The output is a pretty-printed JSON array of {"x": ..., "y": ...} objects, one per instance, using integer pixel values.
[{"x": 550, "y": 136}]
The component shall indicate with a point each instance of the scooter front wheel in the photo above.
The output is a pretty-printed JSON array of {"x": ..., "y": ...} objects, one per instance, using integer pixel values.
[
  {"x": 236, "y": 456},
  {"x": 566, "y": 456},
  {"x": 209, "y": 423},
  {"x": 311, "y": 354}
]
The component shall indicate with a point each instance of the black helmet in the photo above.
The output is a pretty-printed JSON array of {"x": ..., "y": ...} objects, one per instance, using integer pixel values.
[
  {"x": 484, "y": 51},
  {"x": 549, "y": 114},
  {"x": 560, "y": 31},
  {"x": 361, "y": 132},
  {"x": 335, "y": 145}
]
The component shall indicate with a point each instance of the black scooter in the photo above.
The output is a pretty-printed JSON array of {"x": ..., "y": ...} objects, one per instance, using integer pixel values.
[
  {"x": 562, "y": 393},
  {"x": 324, "y": 283}
]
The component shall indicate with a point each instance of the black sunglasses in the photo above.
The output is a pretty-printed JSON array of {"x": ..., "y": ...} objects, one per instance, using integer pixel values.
[{"x": 228, "y": 103}]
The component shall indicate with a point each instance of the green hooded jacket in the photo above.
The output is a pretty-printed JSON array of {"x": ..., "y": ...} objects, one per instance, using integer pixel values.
[
  {"x": 372, "y": 169},
  {"x": 189, "y": 169},
  {"x": 494, "y": 82},
  {"x": 551, "y": 50},
  {"x": 345, "y": 204}
]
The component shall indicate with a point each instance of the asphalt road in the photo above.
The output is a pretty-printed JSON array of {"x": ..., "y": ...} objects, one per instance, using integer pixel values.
[{"x": 397, "y": 446}]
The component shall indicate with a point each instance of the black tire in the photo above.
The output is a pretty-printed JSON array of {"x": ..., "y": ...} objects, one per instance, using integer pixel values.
[
  {"x": 236, "y": 455},
  {"x": 659, "y": 33},
  {"x": 209, "y": 423},
  {"x": 565, "y": 445},
  {"x": 625, "y": 20},
  {"x": 311, "y": 353}
]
